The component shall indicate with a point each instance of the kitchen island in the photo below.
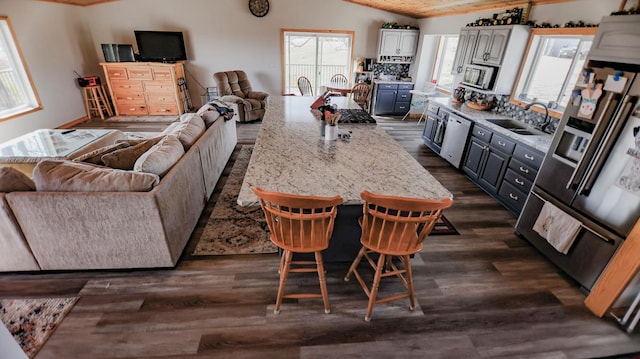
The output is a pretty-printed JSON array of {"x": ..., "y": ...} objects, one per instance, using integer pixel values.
[{"x": 290, "y": 156}]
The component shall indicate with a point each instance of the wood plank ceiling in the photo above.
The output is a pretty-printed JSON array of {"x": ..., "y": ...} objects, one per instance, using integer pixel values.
[
  {"x": 433, "y": 8},
  {"x": 413, "y": 8}
]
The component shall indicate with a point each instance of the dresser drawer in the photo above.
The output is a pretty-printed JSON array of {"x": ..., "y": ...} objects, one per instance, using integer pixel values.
[
  {"x": 512, "y": 196},
  {"x": 165, "y": 87},
  {"x": 140, "y": 74},
  {"x": 502, "y": 144},
  {"x": 518, "y": 181},
  {"x": 160, "y": 99},
  {"x": 123, "y": 86},
  {"x": 522, "y": 169},
  {"x": 482, "y": 133},
  {"x": 115, "y": 72},
  {"x": 130, "y": 98},
  {"x": 138, "y": 110},
  {"x": 162, "y": 73},
  {"x": 529, "y": 156},
  {"x": 163, "y": 109}
]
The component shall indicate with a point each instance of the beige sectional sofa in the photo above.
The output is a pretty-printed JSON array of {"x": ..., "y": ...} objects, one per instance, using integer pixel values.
[{"x": 62, "y": 230}]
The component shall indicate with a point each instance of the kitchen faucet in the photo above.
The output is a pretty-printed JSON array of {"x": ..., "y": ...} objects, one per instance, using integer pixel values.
[{"x": 545, "y": 122}]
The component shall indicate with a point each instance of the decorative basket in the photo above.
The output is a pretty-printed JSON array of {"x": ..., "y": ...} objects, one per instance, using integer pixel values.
[{"x": 479, "y": 107}]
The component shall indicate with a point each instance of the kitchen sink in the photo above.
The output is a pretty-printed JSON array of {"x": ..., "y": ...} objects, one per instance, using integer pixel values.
[
  {"x": 515, "y": 126},
  {"x": 507, "y": 123}
]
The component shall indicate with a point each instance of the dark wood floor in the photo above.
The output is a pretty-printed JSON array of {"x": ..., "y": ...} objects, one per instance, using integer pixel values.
[{"x": 484, "y": 293}]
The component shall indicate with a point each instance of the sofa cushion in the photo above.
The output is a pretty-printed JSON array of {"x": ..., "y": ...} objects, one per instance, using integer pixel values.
[
  {"x": 95, "y": 156},
  {"x": 12, "y": 180},
  {"x": 209, "y": 115},
  {"x": 71, "y": 176},
  {"x": 189, "y": 130},
  {"x": 135, "y": 141},
  {"x": 161, "y": 157},
  {"x": 125, "y": 158}
]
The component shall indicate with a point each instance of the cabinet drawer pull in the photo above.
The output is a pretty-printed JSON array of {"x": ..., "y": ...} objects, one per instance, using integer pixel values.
[
  {"x": 502, "y": 143},
  {"x": 515, "y": 198},
  {"x": 519, "y": 181},
  {"x": 529, "y": 157},
  {"x": 129, "y": 98},
  {"x": 524, "y": 170}
]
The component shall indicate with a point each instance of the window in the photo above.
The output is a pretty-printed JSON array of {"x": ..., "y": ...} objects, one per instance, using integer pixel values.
[
  {"x": 315, "y": 54},
  {"x": 17, "y": 94},
  {"x": 553, "y": 62},
  {"x": 445, "y": 58}
]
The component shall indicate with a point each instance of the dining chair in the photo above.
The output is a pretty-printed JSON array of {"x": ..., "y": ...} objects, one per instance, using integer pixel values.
[
  {"x": 299, "y": 224},
  {"x": 393, "y": 227},
  {"x": 360, "y": 94},
  {"x": 339, "y": 79},
  {"x": 304, "y": 85}
]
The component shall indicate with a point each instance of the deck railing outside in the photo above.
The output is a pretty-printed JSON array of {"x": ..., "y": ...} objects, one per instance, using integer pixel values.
[{"x": 325, "y": 72}]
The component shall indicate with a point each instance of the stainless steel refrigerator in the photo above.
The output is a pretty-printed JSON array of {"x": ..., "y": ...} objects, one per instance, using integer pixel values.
[{"x": 592, "y": 170}]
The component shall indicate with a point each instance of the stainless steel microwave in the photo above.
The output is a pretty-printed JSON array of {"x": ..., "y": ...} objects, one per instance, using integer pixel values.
[{"x": 478, "y": 76}]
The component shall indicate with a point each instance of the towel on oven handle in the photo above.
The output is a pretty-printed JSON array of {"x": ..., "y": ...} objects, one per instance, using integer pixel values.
[{"x": 557, "y": 227}]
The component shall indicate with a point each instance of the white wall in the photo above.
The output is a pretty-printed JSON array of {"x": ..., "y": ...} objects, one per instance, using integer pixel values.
[
  {"x": 51, "y": 38},
  {"x": 223, "y": 35},
  {"x": 589, "y": 11},
  {"x": 220, "y": 35}
]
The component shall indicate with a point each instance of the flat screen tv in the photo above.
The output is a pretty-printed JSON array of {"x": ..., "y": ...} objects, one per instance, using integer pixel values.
[{"x": 164, "y": 46}]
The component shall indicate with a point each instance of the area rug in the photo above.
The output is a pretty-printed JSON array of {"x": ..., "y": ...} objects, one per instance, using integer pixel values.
[
  {"x": 142, "y": 118},
  {"x": 32, "y": 321},
  {"x": 232, "y": 229}
]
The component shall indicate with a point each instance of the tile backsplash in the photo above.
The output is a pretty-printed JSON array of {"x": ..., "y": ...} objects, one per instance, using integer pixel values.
[
  {"x": 399, "y": 70},
  {"x": 504, "y": 107}
]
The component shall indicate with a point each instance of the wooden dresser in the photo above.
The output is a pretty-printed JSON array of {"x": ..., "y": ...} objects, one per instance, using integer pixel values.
[{"x": 145, "y": 88}]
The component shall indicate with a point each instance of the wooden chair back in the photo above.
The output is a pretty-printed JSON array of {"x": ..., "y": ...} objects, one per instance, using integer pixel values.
[
  {"x": 339, "y": 79},
  {"x": 304, "y": 85},
  {"x": 398, "y": 225},
  {"x": 360, "y": 93},
  {"x": 299, "y": 223}
]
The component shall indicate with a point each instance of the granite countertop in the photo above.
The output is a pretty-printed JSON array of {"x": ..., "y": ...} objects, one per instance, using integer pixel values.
[
  {"x": 290, "y": 156},
  {"x": 539, "y": 142},
  {"x": 392, "y": 82}
]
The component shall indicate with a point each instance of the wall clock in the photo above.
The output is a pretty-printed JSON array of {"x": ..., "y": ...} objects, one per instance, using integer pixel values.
[{"x": 259, "y": 8}]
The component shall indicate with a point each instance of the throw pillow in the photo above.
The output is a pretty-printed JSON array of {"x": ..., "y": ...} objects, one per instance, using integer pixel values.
[
  {"x": 188, "y": 132},
  {"x": 125, "y": 158},
  {"x": 135, "y": 141},
  {"x": 70, "y": 176},
  {"x": 12, "y": 180},
  {"x": 161, "y": 157},
  {"x": 95, "y": 156}
]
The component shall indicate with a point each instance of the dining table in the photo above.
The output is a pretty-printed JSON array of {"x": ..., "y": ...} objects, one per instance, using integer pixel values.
[{"x": 342, "y": 88}]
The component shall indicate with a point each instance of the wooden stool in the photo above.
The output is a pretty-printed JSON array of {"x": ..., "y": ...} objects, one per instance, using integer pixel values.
[{"x": 95, "y": 100}]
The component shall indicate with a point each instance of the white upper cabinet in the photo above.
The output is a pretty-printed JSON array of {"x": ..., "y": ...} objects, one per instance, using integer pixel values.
[
  {"x": 397, "y": 45},
  {"x": 466, "y": 45},
  {"x": 490, "y": 46},
  {"x": 617, "y": 39}
]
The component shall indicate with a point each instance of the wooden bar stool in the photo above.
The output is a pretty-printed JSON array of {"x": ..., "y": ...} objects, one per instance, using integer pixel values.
[
  {"x": 95, "y": 101},
  {"x": 299, "y": 224},
  {"x": 393, "y": 226}
]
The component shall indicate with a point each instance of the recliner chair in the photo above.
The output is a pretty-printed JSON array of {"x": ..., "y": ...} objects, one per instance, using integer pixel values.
[{"x": 234, "y": 88}]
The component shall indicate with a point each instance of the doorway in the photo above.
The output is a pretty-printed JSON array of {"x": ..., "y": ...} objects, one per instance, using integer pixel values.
[{"x": 315, "y": 54}]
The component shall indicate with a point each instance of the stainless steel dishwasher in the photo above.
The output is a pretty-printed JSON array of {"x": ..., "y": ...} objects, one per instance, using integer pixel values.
[{"x": 455, "y": 139}]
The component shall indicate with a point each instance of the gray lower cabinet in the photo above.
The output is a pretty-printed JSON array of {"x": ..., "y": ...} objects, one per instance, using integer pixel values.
[
  {"x": 392, "y": 99},
  {"x": 504, "y": 168},
  {"x": 434, "y": 127},
  {"x": 487, "y": 158},
  {"x": 518, "y": 180}
]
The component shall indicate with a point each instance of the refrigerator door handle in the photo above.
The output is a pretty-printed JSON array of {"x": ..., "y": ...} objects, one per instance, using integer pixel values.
[
  {"x": 601, "y": 125},
  {"x": 601, "y": 156}
]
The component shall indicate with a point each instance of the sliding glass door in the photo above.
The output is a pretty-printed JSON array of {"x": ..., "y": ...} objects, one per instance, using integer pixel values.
[{"x": 315, "y": 54}]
